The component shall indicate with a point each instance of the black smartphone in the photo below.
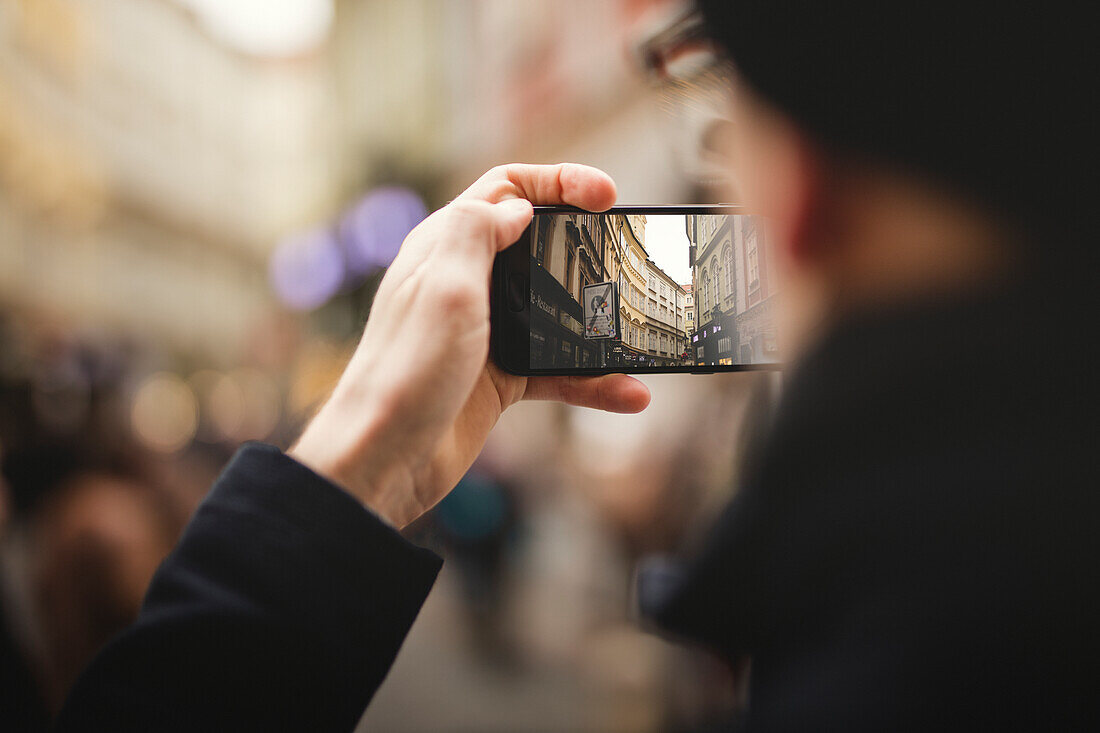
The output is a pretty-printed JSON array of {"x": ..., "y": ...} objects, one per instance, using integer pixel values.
[{"x": 636, "y": 289}]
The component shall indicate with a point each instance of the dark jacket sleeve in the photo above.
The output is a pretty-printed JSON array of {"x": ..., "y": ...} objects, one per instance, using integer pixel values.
[{"x": 281, "y": 608}]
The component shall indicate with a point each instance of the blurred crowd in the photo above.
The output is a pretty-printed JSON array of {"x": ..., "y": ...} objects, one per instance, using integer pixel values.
[{"x": 197, "y": 201}]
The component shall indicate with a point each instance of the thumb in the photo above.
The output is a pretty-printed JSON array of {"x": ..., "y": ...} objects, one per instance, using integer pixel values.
[{"x": 512, "y": 217}]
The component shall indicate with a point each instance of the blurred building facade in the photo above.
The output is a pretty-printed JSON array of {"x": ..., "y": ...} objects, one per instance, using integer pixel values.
[
  {"x": 147, "y": 154},
  {"x": 147, "y": 163}
]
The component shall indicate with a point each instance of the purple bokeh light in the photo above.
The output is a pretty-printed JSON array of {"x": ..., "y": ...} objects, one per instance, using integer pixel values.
[
  {"x": 373, "y": 230},
  {"x": 307, "y": 269}
]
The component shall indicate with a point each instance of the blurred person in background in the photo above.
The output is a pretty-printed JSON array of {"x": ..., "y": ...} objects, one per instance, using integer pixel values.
[
  {"x": 913, "y": 543},
  {"x": 84, "y": 532},
  {"x": 477, "y": 523}
]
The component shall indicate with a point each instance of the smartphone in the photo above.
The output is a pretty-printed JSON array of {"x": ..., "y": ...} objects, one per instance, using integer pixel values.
[{"x": 636, "y": 289}]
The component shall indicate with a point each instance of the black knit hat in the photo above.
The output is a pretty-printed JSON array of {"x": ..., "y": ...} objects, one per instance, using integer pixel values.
[{"x": 994, "y": 102}]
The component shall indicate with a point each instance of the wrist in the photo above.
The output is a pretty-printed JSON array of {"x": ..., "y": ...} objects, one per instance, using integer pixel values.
[{"x": 345, "y": 444}]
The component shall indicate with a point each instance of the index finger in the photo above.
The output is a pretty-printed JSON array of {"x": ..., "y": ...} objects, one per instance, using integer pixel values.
[{"x": 565, "y": 183}]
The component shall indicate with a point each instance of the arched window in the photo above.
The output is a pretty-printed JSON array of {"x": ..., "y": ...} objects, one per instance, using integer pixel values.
[
  {"x": 706, "y": 291},
  {"x": 729, "y": 269},
  {"x": 715, "y": 271}
]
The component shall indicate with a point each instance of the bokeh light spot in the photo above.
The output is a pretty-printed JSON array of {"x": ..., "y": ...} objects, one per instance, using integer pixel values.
[
  {"x": 306, "y": 270},
  {"x": 372, "y": 232},
  {"x": 164, "y": 412}
]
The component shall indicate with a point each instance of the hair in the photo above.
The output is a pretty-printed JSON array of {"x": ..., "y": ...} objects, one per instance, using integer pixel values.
[{"x": 992, "y": 103}]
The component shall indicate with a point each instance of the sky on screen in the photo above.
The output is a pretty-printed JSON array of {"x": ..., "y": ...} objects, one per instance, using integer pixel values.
[{"x": 667, "y": 243}]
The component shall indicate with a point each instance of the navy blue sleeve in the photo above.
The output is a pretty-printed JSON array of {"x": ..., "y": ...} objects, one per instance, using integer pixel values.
[{"x": 281, "y": 608}]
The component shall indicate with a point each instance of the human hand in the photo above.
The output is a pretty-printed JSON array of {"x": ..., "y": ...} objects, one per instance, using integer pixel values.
[{"x": 419, "y": 396}]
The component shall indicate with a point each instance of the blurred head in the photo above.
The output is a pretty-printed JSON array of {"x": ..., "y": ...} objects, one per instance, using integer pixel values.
[{"x": 902, "y": 153}]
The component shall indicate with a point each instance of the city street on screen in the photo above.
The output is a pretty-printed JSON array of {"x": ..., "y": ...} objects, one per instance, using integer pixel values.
[{"x": 622, "y": 290}]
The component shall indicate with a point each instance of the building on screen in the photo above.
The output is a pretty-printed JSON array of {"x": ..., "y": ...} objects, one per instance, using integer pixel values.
[{"x": 733, "y": 291}]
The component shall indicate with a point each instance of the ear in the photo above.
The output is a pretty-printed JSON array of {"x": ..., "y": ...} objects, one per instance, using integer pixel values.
[
  {"x": 781, "y": 173},
  {"x": 806, "y": 213},
  {"x": 793, "y": 183}
]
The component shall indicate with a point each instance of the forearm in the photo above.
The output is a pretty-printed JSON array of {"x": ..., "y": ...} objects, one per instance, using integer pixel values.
[{"x": 283, "y": 606}]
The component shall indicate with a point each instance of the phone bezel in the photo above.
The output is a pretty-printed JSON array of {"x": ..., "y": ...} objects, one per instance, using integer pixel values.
[{"x": 510, "y": 330}]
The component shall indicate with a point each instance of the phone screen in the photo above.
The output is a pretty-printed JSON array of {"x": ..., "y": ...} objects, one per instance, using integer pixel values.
[{"x": 648, "y": 291}]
